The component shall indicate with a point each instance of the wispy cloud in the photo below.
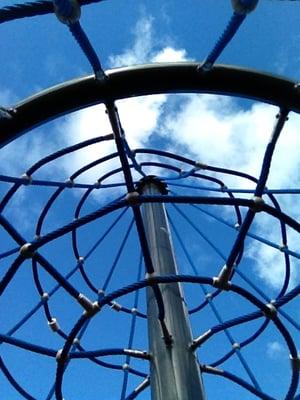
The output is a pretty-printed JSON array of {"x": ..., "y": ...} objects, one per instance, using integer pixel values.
[
  {"x": 216, "y": 130},
  {"x": 139, "y": 116},
  {"x": 275, "y": 350}
]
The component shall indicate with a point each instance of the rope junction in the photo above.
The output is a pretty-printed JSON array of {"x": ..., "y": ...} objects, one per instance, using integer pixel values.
[{"x": 93, "y": 287}]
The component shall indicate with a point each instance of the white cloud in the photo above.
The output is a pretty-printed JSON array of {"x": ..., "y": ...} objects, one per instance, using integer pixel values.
[
  {"x": 215, "y": 131},
  {"x": 139, "y": 116},
  {"x": 212, "y": 129},
  {"x": 275, "y": 350}
]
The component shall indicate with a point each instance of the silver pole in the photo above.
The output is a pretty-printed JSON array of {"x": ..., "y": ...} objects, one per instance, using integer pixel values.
[{"x": 174, "y": 371}]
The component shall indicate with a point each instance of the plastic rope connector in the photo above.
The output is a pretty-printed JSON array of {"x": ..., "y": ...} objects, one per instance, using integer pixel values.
[
  {"x": 76, "y": 342},
  {"x": 271, "y": 311},
  {"x": 134, "y": 311},
  {"x": 258, "y": 204},
  {"x": 150, "y": 277},
  {"x": 283, "y": 247},
  {"x": 244, "y": 6},
  {"x": 67, "y": 11},
  {"x": 295, "y": 363},
  {"x": 222, "y": 280},
  {"x": 236, "y": 346},
  {"x": 200, "y": 165},
  {"x": 90, "y": 308},
  {"x": 200, "y": 340},
  {"x": 69, "y": 183},
  {"x": 27, "y": 180},
  {"x": 132, "y": 198},
  {"x": 45, "y": 297},
  {"x": 60, "y": 358},
  {"x": 115, "y": 306},
  {"x": 125, "y": 367},
  {"x": 137, "y": 353},
  {"x": 53, "y": 325},
  {"x": 26, "y": 250}
]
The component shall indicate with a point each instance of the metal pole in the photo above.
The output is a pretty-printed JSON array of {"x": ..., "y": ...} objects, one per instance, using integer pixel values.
[{"x": 174, "y": 371}]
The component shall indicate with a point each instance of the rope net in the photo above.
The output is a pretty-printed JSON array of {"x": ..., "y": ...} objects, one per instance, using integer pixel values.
[{"x": 76, "y": 261}]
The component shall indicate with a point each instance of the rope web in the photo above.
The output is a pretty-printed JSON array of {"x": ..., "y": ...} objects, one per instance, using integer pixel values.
[{"x": 88, "y": 288}]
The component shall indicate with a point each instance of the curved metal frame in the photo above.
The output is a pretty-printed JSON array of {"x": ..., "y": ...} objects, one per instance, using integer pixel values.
[{"x": 147, "y": 80}]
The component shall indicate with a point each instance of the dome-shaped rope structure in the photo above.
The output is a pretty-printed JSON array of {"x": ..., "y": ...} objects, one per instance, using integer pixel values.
[{"x": 137, "y": 268}]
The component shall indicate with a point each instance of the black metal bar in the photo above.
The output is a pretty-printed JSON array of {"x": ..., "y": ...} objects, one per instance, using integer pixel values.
[{"x": 144, "y": 80}]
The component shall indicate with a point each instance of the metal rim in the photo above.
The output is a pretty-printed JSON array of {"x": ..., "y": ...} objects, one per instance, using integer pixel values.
[{"x": 147, "y": 80}]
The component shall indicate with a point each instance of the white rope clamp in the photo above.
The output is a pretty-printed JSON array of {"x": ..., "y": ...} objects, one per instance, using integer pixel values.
[
  {"x": 272, "y": 310},
  {"x": 27, "y": 180},
  {"x": 258, "y": 204},
  {"x": 76, "y": 342},
  {"x": 244, "y": 6},
  {"x": 295, "y": 363},
  {"x": 137, "y": 353},
  {"x": 53, "y": 325},
  {"x": 150, "y": 277},
  {"x": 200, "y": 340},
  {"x": 283, "y": 247},
  {"x": 26, "y": 250},
  {"x": 132, "y": 198},
  {"x": 69, "y": 183},
  {"x": 200, "y": 165},
  {"x": 236, "y": 346},
  {"x": 74, "y": 15},
  {"x": 115, "y": 306},
  {"x": 222, "y": 280},
  {"x": 60, "y": 358},
  {"x": 90, "y": 308},
  {"x": 45, "y": 297}
]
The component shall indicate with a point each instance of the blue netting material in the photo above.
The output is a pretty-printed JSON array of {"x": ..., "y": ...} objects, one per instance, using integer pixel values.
[{"x": 120, "y": 206}]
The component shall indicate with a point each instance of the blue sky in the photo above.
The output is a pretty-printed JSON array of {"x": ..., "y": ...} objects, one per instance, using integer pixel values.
[{"x": 38, "y": 53}]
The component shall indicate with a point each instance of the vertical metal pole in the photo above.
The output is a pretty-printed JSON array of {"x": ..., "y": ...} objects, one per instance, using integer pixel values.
[{"x": 174, "y": 374}]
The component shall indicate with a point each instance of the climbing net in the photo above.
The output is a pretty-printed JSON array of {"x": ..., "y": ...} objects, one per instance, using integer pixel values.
[{"x": 73, "y": 303}]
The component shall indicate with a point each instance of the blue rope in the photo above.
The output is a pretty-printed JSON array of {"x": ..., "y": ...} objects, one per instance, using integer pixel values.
[
  {"x": 139, "y": 389},
  {"x": 118, "y": 255},
  {"x": 231, "y": 190},
  {"x": 13, "y": 382},
  {"x": 131, "y": 156},
  {"x": 32, "y": 9},
  {"x": 228, "y": 34},
  {"x": 249, "y": 234},
  {"x": 131, "y": 332},
  {"x": 65, "y": 151},
  {"x": 241, "y": 9},
  {"x": 87, "y": 49},
  {"x": 118, "y": 135},
  {"x": 236, "y": 379}
]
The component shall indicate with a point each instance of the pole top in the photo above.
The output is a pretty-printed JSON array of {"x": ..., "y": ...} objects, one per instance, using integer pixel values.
[{"x": 152, "y": 180}]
